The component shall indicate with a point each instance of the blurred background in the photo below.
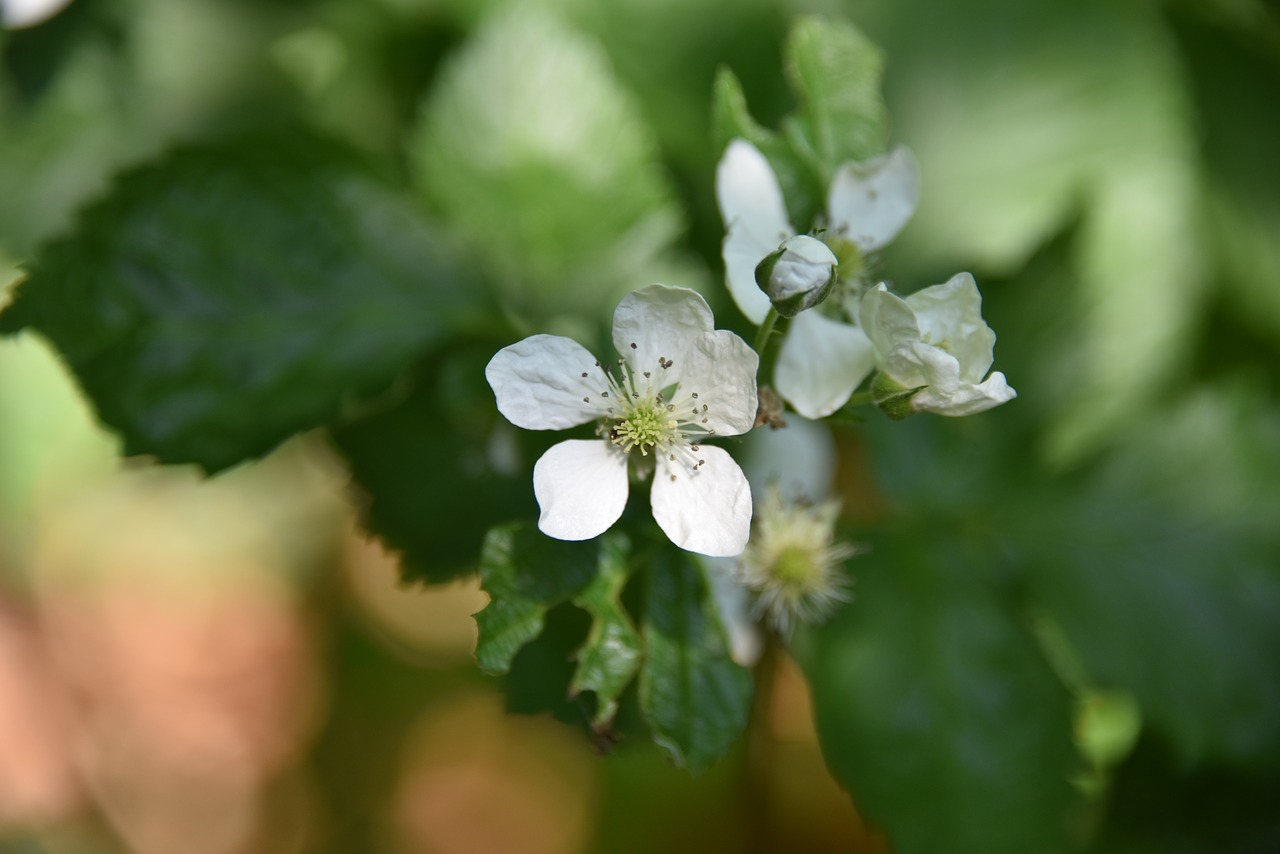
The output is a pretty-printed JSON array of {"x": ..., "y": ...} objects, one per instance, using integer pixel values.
[{"x": 231, "y": 665}]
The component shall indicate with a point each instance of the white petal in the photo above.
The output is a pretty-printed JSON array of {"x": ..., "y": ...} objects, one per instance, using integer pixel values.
[
  {"x": 707, "y": 511},
  {"x": 968, "y": 399},
  {"x": 581, "y": 487},
  {"x": 721, "y": 369},
  {"x": 952, "y": 313},
  {"x": 539, "y": 383},
  {"x": 821, "y": 362},
  {"x": 887, "y": 320},
  {"x": 746, "y": 641},
  {"x": 870, "y": 202},
  {"x": 755, "y": 221},
  {"x": 799, "y": 459},
  {"x": 660, "y": 322}
]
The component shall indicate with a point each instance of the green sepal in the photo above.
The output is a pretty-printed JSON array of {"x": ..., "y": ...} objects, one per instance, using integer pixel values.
[{"x": 893, "y": 398}]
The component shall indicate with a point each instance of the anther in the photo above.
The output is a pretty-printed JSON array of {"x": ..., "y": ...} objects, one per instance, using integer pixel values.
[
  {"x": 704, "y": 407},
  {"x": 633, "y": 345},
  {"x": 586, "y": 400},
  {"x": 604, "y": 394},
  {"x": 671, "y": 407},
  {"x": 584, "y": 373},
  {"x": 695, "y": 395}
]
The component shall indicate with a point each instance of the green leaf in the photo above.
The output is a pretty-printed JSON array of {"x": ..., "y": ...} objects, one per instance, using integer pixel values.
[
  {"x": 934, "y": 707},
  {"x": 731, "y": 119},
  {"x": 1181, "y": 613},
  {"x": 229, "y": 296},
  {"x": 526, "y": 573},
  {"x": 835, "y": 70},
  {"x": 440, "y": 468},
  {"x": 563, "y": 196},
  {"x": 695, "y": 698},
  {"x": 609, "y": 659}
]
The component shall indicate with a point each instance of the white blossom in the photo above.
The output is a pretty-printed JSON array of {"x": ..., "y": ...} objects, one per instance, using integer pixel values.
[
  {"x": 936, "y": 341},
  {"x": 868, "y": 203},
  {"x": 677, "y": 382}
]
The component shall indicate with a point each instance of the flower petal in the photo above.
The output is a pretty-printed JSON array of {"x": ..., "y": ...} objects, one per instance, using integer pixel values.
[
  {"x": 546, "y": 382},
  {"x": 660, "y": 322},
  {"x": 755, "y": 221},
  {"x": 721, "y": 368},
  {"x": 821, "y": 362},
  {"x": 746, "y": 640},
  {"x": 950, "y": 315},
  {"x": 706, "y": 511},
  {"x": 871, "y": 201},
  {"x": 887, "y": 320},
  {"x": 968, "y": 399},
  {"x": 581, "y": 487}
]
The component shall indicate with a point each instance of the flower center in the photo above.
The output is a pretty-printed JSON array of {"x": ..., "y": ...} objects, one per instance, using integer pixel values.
[
  {"x": 645, "y": 411},
  {"x": 796, "y": 570}
]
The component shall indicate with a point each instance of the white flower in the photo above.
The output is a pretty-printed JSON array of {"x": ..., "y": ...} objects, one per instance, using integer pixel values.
[
  {"x": 822, "y": 360},
  {"x": 936, "y": 341},
  {"x": 678, "y": 382},
  {"x": 793, "y": 563}
]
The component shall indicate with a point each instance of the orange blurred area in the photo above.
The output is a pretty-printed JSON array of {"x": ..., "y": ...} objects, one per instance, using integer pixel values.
[{"x": 231, "y": 666}]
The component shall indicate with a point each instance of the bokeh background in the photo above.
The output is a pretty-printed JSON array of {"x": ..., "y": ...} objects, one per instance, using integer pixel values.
[{"x": 233, "y": 666}]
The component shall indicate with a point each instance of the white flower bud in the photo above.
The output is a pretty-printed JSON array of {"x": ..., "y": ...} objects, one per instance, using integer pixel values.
[{"x": 799, "y": 275}]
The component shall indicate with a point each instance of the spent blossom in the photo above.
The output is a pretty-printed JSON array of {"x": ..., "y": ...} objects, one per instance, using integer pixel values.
[
  {"x": 825, "y": 356},
  {"x": 677, "y": 382}
]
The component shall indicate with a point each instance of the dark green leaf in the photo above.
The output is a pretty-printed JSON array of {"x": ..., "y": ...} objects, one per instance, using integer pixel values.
[
  {"x": 525, "y": 573},
  {"x": 694, "y": 696},
  {"x": 1173, "y": 611},
  {"x": 934, "y": 707},
  {"x": 441, "y": 468},
  {"x": 229, "y": 296},
  {"x": 611, "y": 656}
]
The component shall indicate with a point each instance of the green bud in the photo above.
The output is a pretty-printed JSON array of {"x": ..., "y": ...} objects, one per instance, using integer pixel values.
[
  {"x": 798, "y": 276},
  {"x": 893, "y": 398}
]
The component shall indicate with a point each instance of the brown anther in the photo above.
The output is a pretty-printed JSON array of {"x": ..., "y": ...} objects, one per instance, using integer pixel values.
[
  {"x": 695, "y": 395},
  {"x": 633, "y": 345},
  {"x": 584, "y": 373}
]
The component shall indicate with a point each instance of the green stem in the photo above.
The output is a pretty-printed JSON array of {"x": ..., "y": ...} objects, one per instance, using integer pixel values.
[{"x": 766, "y": 329}]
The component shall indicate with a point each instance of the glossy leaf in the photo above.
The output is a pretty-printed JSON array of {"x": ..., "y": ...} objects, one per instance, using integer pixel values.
[
  {"x": 526, "y": 573},
  {"x": 229, "y": 296},
  {"x": 609, "y": 659},
  {"x": 694, "y": 696}
]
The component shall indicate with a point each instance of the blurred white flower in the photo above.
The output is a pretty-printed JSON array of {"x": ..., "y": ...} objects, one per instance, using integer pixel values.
[
  {"x": 823, "y": 359},
  {"x": 678, "y": 382},
  {"x": 793, "y": 564},
  {"x": 933, "y": 350}
]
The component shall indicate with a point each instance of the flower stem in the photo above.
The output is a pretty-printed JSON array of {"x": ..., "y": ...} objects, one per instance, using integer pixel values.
[{"x": 766, "y": 329}]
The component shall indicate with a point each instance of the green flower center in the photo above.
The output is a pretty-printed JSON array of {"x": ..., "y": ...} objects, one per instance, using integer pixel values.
[
  {"x": 645, "y": 426},
  {"x": 796, "y": 570}
]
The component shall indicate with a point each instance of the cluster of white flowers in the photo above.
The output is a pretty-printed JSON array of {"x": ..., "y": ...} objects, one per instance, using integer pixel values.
[
  {"x": 679, "y": 383},
  {"x": 933, "y": 343}
]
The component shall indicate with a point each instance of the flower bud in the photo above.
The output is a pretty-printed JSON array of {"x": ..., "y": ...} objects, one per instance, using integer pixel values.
[{"x": 799, "y": 275}]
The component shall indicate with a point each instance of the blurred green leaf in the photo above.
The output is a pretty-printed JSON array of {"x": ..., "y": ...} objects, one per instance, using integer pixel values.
[
  {"x": 526, "y": 573},
  {"x": 694, "y": 696},
  {"x": 935, "y": 708},
  {"x": 541, "y": 159},
  {"x": 835, "y": 71},
  {"x": 1172, "y": 609},
  {"x": 731, "y": 119},
  {"x": 609, "y": 659},
  {"x": 439, "y": 468},
  {"x": 229, "y": 296}
]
